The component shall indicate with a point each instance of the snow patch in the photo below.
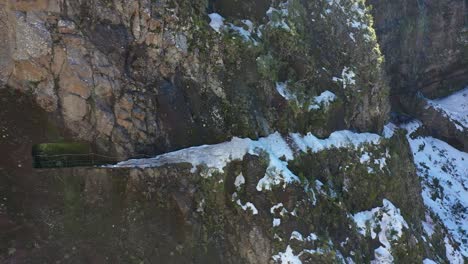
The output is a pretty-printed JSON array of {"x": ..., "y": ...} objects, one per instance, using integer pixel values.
[
  {"x": 429, "y": 261},
  {"x": 324, "y": 99},
  {"x": 389, "y": 130},
  {"x": 443, "y": 171},
  {"x": 287, "y": 257},
  {"x": 298, "y": 236},
  {"x": 452, "y": 255},
  {"x": 276, "y": 222},
  {"x": 389, "y": 221},
  {"x": 239, "y": 181},
  {"x": 209, "y": 159},
  {"x": 248, "y": 205},
  {"x": 217, "y": 22}
]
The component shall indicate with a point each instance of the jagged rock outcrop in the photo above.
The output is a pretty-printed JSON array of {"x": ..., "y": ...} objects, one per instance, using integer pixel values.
[{"x": 143, "y": 77}]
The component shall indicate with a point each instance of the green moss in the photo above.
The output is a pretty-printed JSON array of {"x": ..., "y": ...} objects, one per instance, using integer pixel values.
[{"x": 268, "y": 67}]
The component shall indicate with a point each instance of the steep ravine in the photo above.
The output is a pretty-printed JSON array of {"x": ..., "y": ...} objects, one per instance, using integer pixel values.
[{"x": 281, "y": 131}]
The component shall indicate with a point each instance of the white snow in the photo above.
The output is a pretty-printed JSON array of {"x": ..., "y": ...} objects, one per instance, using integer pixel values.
[
  {"x": 324, "y": 99},
  {"x": 443, "y": 171},
  {"x": 455, "y": 107},
  {"x": 276, "y": 222},
  {"x": 282, "y": 88},
  {"x": 287, "y": 257},
  {"x": 217, "y": 22},
  {"x": 390, "y": 223},
  {"x": 382, "y": 256},
  {"x": 239, "y": 181},
  {"x": 389, "y": 130},
  {"x": 277, "y": 17},
  {"x": 248, "y": 205},
  {"x": 364, "y": 158},
  {"x": 452, "y": 255},
  {"x": 311, "y": 237},
  {"x": 274, "y": 207},
  {"x": 337, "y": 139},
  {"x": 429, "y": 261},
  {"x": 216, "y": 157},
  {"x": 428, "y": 225},
  {"x": 347, "y": 77},
  {"x": 298, "y": 236}
]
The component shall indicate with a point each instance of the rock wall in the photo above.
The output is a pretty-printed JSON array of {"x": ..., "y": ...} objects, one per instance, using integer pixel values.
[
  {"x": 145, "y": 77},
  {"x": 177, "y": 213},
  {"x": 425, "y": 45}
]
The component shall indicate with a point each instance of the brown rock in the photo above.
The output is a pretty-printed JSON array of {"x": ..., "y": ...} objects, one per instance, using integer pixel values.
[
  {"x": 32, "y": 37},
  {"x": 30, "y": 5},
  {"x": 45, "y": 96},
  {"x": 29, "y": 71},
  {"x": 104, "y": 122},
  {"x": 74, "y": 107},
  {"x": 66, "y": 27},
  {"x": 103, "y": 87}
]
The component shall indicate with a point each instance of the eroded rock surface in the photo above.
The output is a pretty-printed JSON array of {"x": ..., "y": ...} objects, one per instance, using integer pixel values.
[{"x": 142, "y": 77}]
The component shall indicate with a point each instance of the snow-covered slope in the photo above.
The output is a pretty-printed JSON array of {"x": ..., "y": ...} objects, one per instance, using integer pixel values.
[
  {"x": 389, "y": 223},
  {"x": 455, "y": 107},
  {"x": 444, "y": 176},
  {"x": 216, "y": 157}
]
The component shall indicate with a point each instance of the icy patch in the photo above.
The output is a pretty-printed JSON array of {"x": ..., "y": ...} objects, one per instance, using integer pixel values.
[
  {"x": 282, "y": 89},
  {"x": 455, "y": 107},
  {"x": 337, "y": 139},
  {"x": 443, "y": 171},
  {"x": 239, "y": 181},
  {"x": 324, "y": 99},
  {"x": 213, "y": 158},
  {"x": 364, "y": 158},
  {"x": 389, "y": 130},
  {"x": 382, "y": 256},
  {"x": 428, "y": 225},
  {"x": 287, "y": 257},
  {"x": 248, "y": 205},
  {"x": 389, "y": 221},
  {"x": 217, "y": 22},
  {"x": 347, "y": 77},
  {"x": 452, "y": 255},
  {"x": 429, "y": 261},
  {"x": 278, "y": 17},
  {"x": 276, "y": 222},
  {"x": 298, "y": 236}
]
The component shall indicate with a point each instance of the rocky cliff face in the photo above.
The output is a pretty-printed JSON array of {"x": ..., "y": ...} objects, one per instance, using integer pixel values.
[
  {"x": 425, "y": 45},
  {"x": 242, "y": 204},
  {"x": 280, "y": 110},
  {"x": 426, "y": 56},
  {"x": 150, "y": 76}
]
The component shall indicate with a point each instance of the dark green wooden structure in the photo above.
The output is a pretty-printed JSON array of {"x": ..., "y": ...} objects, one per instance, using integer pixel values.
[{"x": 74, "y": 154}]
